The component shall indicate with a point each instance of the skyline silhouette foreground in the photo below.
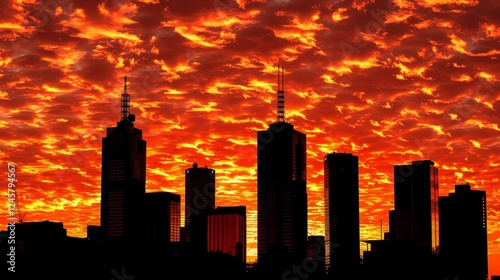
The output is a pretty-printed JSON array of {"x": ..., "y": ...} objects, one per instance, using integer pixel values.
[{"x": 285, "y": 250}]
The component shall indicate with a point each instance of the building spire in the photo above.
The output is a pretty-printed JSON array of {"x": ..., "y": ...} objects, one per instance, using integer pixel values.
[
  {"x": 281, "y": 95},
  {"x": 125, "y": 102}
]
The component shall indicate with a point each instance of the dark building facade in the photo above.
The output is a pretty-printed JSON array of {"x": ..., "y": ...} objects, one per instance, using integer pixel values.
[
  {"x": 35, "y": 237},
  {"x": 200, "y": 202},
  {"x": 416, "y": 210},
  {"x": 397, "y": 259},
  {"x": 463, "y": 233},
  {"x": 389, "y": 235},
  {"x": 94, "y": 233},
  {"x": 28, "y": 247},
  {"x": 123, "y": 179},
  {"x": 315, "y": 258},
  {"x": 408, "y": 249},
  {"x": 227, "y": 229},
  {"x": 342, "y": 239},
  {"x": 281, "y": 187},
  {"x": 162, "y": 217}
]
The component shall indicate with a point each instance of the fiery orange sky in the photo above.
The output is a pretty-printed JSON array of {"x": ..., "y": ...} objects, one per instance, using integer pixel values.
[{"x": 390, "y": 82}]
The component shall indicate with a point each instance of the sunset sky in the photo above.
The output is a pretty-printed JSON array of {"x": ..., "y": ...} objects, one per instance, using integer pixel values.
[{"x": 390, "y": 82}]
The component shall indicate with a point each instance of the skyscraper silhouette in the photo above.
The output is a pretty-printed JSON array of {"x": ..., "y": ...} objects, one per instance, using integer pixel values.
[
  {"x": 463, "y": 243},
  {"x": 342, "y": 241},
  {"x": 200, "y": 201},
  {"x": 416, "y": 194},
  {"x": 408, "y": 249},
  {"x": 123, "y": 179},
  {"x": 162, "y": 217},
  {"x": 281, "y": 186}
]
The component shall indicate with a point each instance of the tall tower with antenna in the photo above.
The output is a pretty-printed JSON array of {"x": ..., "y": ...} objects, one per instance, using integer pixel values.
[
  {"x": 125, "y": 115},
  {"x": 123, "y": 178},
  {"x": 125, "y": 102},
  {"x": 280, "y": 113},
  {"x": 281, "y": 187}
]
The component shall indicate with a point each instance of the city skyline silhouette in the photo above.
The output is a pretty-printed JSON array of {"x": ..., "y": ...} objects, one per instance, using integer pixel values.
[{"x": 282, "y": 227}]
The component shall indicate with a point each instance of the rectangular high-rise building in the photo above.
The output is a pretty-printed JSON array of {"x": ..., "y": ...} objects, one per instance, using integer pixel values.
[
  {"x": 463, "y": 235},
  {"x": 200, "y": 202},
  {"x": 227, "y": 228},
  {"x": 123, "y": 178},
  {"x": 281, "y": 188},
  {"x": 342, "y": 240},
  {"x": 416, "y": 212},
  {"x": 162, "y": 217}
]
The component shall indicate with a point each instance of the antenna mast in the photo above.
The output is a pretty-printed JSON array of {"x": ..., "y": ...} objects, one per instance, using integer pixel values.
[
  {"x": 281, "y": 95},
  {"x": 125, "y": 102},
  {"x": 20, "y": 211}
]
